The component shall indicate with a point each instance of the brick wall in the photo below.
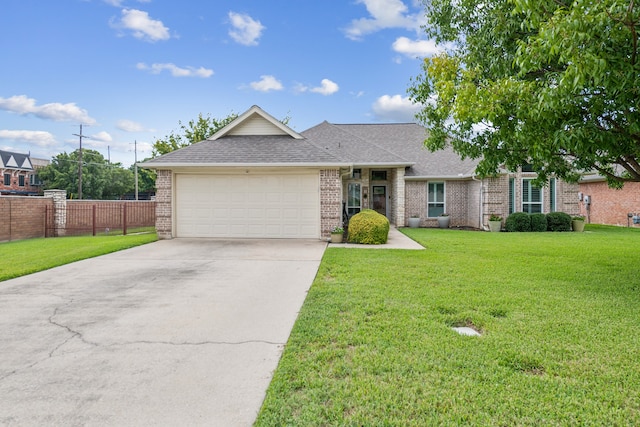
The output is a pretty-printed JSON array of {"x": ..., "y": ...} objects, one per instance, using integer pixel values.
[
  {"x": 459, "y": 198},
  {"x": 330, "y": 201},
  {"x": 23, "y": 217},
  {"x": 609, "y": 206},
  {"x": 164, "y": 221}
]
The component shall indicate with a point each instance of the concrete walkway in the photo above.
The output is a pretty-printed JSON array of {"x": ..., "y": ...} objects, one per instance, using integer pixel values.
[
  {"x": 396, "y": 240},
  {"x": 179, "y": 332}
]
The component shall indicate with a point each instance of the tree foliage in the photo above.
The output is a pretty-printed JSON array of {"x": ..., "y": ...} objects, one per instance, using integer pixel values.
[
  {"x": 553, "y": 83},
  {"x": 194, "y": 131},
  {"x": 101, "y": 180}
]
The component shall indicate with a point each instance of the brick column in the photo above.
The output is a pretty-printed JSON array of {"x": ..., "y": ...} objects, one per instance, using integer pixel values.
[
  {"x": 330, "y": 201},
  {"x": 164, "y": 210},
  {"x": 59, "y": 210}
]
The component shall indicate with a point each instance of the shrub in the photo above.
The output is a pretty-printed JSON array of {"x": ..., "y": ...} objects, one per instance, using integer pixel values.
[
  {"x": 538, "y": 222},
  {"x": 518, "y": 221},
  {"x": 558, "y": 221},
  {"x": 368, "y": 227}
]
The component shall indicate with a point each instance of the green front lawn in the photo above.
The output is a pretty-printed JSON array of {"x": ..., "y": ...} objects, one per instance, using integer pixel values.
[
  {"x": 29, "y": 256},
  {"x": 559, "y": 315}
]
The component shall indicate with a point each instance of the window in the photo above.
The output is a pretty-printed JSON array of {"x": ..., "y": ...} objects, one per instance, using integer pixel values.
[
  {"x": 527, "y": 167},
  {"x": 21, "y": 180},
  {"x": 7, "y": 179},
  {"x": 378, "y": 175},
  {"x": 531, "y": 197},
  {"x": 435, "y": 201},
  {"x": 354, "y": 198},
  {"x": 34, "y": 180},
  {"x": 552, "y": 195},
  {"x": 356, "y": 174},
  {"x": 512, "y": 195}
]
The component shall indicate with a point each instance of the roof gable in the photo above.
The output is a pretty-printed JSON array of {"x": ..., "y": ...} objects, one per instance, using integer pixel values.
[{"x": 255, "y": 122}]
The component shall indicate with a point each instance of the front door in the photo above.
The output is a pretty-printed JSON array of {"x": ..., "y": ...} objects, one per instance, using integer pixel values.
[{"x": 380, "y": 199}]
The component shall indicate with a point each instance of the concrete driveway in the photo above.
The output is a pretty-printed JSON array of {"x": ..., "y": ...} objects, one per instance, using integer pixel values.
[{"x": 179, "y": 332}]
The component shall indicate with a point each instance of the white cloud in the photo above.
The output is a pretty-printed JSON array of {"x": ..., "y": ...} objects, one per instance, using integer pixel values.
[
  {"x": 130, "y": 126},
  {"x": 395, "y": 108},
  {"x": 142, "y": 26},
  {"x": 416, "y": 48},
  {"x": 384, "y": 14},
  {"x": 246, "y": 30},
  {"x": 37, "y": 137},
  {"x": 55, "y": 111},
  {"x": 102, "y": 137},
  {"x": 175, "y": 70},
  {"x": 118, "y": 3},
  {"x": 266, "y": 84},
  {"x": 327, "y": 87}
]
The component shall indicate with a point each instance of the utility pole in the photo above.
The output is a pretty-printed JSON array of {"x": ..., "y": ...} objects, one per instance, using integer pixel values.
[
  {"x": 80, "y": 136},
  {"x": 135, "y": 163}
]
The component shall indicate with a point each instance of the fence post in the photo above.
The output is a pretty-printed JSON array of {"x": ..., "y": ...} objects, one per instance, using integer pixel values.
[
  {"x": 59, "y": 210},
  {"x": 93, "y": 219},
  {"x": 124, "y": 219}
]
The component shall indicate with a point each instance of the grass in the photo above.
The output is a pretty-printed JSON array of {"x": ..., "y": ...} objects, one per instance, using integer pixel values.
[
  {"x": 29, "y": 256},
  {"x": 559, "y": 318}
]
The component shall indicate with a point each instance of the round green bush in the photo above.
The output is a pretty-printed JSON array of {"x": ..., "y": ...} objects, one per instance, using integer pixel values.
[
  {"x": 558, "y": 221},
  {"x": 518, "y": 221},
  {"x": 368, "y": 227},
  {"x": 538, "y": 222}
]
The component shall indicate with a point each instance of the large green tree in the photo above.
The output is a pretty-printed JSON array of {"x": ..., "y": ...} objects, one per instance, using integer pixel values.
[
  {"x": 552, "y": 83},
  {"x": 194, "y": 131},
  {"x": 101, "y": 180}
]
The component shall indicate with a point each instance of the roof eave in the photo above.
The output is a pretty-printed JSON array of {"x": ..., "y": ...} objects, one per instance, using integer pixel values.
[
  {"x": 151, "y": 165},
  {"x": 461, "y": 177}
]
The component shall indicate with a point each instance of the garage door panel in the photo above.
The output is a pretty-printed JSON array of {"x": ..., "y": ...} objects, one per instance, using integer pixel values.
[{"x": 257, "y": 206}]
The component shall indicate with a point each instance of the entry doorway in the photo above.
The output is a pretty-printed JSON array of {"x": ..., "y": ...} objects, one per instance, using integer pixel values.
[{"x": 379, "y": 199}]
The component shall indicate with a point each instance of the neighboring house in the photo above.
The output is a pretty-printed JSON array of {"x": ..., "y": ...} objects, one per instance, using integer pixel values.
[
  {"x": 258, "y": 178},
  {"x": 19, "y": 174},
  {"x": 603, "y": 205}
]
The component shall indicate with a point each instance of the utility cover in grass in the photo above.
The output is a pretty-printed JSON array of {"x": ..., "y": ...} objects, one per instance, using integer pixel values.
[{"x": 464, "y": 330}]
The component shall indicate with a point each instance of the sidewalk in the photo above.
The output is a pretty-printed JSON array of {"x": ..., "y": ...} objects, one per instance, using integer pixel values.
[{"x": 397, "y": 240}]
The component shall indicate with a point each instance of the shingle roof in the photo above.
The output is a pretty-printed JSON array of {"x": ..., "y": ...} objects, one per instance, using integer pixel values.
[
  {"x": 327, "y": 144},
  {"x": 362, "y": 143},
  {"x": 12, "y": 160},
  {"x": 353, "y": 147},
  {"x": 248, "y": 149}
]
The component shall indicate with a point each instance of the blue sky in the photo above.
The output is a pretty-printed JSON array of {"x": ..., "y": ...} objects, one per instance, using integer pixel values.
[{"x": 129, "y": 70}]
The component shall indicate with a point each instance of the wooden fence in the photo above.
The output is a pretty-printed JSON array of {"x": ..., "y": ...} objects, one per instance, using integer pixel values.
[
  {"x": 104, "y": 217},
  {"x": 30, "y": 217}
]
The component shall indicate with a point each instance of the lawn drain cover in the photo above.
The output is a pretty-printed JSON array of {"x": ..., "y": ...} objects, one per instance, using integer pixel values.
[{"x": 465, "y": 330}]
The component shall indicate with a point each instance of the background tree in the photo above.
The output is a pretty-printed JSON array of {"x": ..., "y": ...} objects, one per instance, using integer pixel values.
[
  {"x": 146, "y": 178},
  {"x": 100, "y": 179},
  {"x": 553, "y": 83},
  {"x": 194, "y": 131}
]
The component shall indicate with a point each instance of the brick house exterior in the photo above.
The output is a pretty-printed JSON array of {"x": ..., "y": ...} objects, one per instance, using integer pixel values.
[
  {"x": 18, "y": 174},
  {"x": 334, "y": 170},
  {"x": 607, "y": 205}
]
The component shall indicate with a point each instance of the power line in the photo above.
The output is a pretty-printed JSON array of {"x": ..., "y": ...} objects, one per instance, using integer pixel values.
[{"x": 80, "y": 136}]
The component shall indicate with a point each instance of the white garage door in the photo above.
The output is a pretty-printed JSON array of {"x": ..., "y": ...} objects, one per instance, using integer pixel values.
[{"x": 252, "y": 206}]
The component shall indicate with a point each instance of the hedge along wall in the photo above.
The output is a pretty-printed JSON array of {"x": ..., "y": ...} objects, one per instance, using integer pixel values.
[{"x": 23, "y": 217}]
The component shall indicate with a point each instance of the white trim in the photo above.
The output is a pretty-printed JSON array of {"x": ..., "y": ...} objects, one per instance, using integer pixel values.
[
  {"x": 171, "y": 166},
  {"x": 540, "y": 189},
  {"x": 444, "y": 193}
]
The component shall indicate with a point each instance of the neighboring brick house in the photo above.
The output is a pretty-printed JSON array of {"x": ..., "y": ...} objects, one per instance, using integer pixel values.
[
  {"x": 18, "y": 174},
  {"x": 601, "y": 204},
  {"x": 258, "y": 178}
]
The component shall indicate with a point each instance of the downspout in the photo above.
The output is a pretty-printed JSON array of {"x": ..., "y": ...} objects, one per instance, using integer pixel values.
[{"x": 481, "y": 207}]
